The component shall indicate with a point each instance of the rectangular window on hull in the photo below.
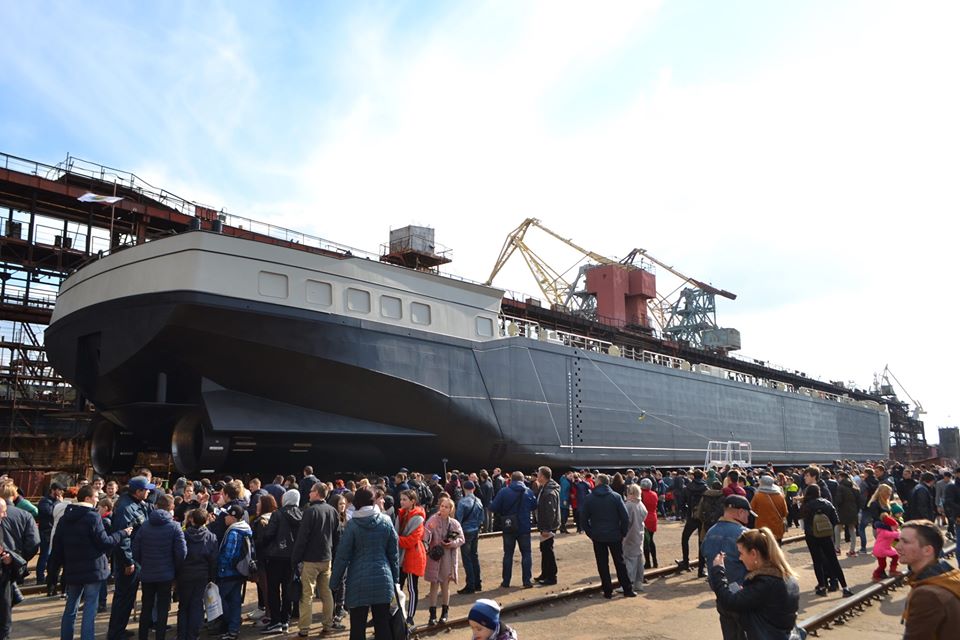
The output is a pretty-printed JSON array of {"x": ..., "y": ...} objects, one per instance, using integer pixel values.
[
  {"x": 358, "y": 300},
  {"x": 484, "y": 327},
  {"x": 419, "y": 313},
  {"x": 273, "y": 285},
  {"x": 391, "y": 307},
  {"x": 319, "y": 293}
]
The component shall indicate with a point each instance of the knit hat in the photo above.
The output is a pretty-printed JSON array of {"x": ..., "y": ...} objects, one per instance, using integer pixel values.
[
  {"x": 291, "y": 497},
  {"x": 485, "y": 613},
  {"x": 767, "y": 486}
]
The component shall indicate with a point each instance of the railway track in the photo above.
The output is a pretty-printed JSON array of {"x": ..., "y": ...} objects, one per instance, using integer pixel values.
[
  {"x": 837, "y": 615},
  {"x": 851, "y": 607},
  {"x": 424, "y": 631}
]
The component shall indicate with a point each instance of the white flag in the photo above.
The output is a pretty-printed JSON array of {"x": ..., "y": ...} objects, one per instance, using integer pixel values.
[{"x": 93, "y": 197}]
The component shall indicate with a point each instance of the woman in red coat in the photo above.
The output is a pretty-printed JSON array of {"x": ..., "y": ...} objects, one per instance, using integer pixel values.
[
  {"x": 650, "y": 500},
  {"x": 413, "y": 555}
]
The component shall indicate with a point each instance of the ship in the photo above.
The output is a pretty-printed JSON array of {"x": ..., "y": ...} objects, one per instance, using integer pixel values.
[{"x": 245, "y": 356}]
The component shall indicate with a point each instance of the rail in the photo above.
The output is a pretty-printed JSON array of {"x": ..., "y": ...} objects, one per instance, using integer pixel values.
[
  {"x": 513, "y": 327},
  {"x": 850, "y": 607},
  {"x": 565, "y": 594}
]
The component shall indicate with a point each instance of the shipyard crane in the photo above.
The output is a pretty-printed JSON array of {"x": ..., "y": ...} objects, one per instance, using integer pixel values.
[
  {"x": 692, "y": 318},
  {"x": 555, "y": 288},
  {"x": 883, "y": 386}
]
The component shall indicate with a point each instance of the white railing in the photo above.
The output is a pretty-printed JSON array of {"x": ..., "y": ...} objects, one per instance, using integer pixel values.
[{"x": 513, "y": 327}]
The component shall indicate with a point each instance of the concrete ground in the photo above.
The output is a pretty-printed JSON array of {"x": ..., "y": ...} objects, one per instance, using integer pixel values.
[{"x": 671, "y": 608}]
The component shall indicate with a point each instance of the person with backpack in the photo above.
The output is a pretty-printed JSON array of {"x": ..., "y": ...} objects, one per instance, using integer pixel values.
[
  {"x": 771, "y": 507},
  {"x": 693, "y": 492},
  {"x": 708, "y": 511},
  {"x": 235, "y": 563},
  {"x": 819, "y": 518},
  {"x": 277, "y": 541}
]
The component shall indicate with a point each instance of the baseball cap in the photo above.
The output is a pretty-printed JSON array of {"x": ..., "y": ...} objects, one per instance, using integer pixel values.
[
  {"x": 140, "y": 482},
  {"x": 436, "y": 477},
  {"x": 738, "y": 502},
  {"x": 236, "y": 511},
  {"x": 56, "y": 486},
  {"x": 469, "y": 485}
]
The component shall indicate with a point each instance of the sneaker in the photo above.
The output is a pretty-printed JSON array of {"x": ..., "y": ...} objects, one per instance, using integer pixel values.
[
  {"x": 630, "y": 594},
  {"x": 852, "y": 554},
  {"x": 847, "y": 593},
  {"x": 547, "y": 583},
  {"x": 274, "y": 627},
  {"x": 229, "y": 636},
  {"x": 303, "y": 634},
  {"x": 465, "y": 591},
  {"x": 821, "y": 591},
  {"x": 335, "y": 626}
]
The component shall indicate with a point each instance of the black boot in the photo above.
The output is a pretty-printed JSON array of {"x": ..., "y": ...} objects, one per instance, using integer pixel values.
[
  {"x": 444, "y": 614},
  {"x": 683, "y": 565},
  {"x": 433, "y": 616},
  {"x": 655, "y": 565}
]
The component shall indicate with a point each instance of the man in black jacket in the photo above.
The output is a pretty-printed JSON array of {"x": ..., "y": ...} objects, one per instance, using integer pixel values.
[
  {"x": 131, "y": 511},
  {"x": 548, "y": 521},
  {"x": 81, "y": 547},
  {"x": 314, "y": 548},
  {"x": 605, "y": 521},
  {"x": 45, "y": 525},
  {"x": 951, "y": 504},
  {"x": 922, "y": 505},
  {"x": 694, "y": 492}
]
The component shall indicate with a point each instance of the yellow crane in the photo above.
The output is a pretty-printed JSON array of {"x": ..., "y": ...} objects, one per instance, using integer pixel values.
[{"x": 686, "y": 319}]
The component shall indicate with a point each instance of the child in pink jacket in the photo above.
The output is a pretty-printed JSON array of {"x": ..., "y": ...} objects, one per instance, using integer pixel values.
[{"x": 888, "y": 533}]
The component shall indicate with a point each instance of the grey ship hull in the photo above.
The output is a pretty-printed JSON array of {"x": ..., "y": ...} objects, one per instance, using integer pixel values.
[{"x": 253, "y": 386}]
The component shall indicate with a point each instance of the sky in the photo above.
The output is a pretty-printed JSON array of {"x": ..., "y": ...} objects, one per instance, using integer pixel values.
[{"x": 802, "y": 155}]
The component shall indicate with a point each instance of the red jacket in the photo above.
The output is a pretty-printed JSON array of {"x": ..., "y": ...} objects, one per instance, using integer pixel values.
[
  {"x": 650, "y": 500},
  {"x": 411, "y": 546}
]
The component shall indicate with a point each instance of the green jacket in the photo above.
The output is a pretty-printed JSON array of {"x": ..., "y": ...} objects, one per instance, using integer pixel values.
[{"x": 26, "y": 505}]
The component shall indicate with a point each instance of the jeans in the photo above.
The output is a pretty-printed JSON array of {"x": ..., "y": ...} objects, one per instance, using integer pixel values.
[
  {"x": 124, "y": 597},
  {"x": 190, "y": 609},
  {"x": 44, "y": 556},
  {"x": 6, "y": 607},
  {"x": 471, "y": 559},
  {"x": 862, "y": 530},
  {"x": 510, "y": 541},
  {"x": 381, "y": 622},
  {"x": 548, "y": 560},
  {"x": 689, "y": 527},
  {"x": 232, "y": 596},
  {"x": 279, "y": 579},
  {"x": 154, "y": 593},
  {"x": 90, "y": 593},
  {"x": 730, "y": 624},
  {"x": 615, "y": 549},
  {"x": 313, "y": 576}
]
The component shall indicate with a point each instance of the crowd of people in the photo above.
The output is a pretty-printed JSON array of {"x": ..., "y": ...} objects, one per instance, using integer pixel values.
[{"x": 362, "y": 546}]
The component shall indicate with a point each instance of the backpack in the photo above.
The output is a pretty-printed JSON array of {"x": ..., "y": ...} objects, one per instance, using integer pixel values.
[
  {"x": 820, "y": 526},
  {"x": 425, "y": 496},
  {"x": 708, "y": 511},
  {"x": 246, "y": 564}
]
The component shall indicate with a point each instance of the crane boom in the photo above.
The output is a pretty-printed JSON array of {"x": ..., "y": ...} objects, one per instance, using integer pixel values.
[{"x": 692, "y": 281}]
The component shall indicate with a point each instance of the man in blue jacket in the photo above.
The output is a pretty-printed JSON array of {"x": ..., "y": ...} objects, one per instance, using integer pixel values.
[
  {"x": 131, "y": 511},
  {"x": 606, "y": 521},
  {"x": 45, "y": 525},
  {"x": 159, "y": 548},
  {"x": 516, "y": 501},
  {"x": 722, "y": 538},
  {"x": 470, "y": 516},
  {"x": 80, "y": 548}
]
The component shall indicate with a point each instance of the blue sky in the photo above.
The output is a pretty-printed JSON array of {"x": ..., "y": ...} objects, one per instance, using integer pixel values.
[{"x": 802, "y": 155}]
